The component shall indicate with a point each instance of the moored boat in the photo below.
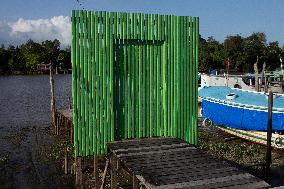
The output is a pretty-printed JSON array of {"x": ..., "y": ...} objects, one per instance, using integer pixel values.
[{"x": 246, "y": 111}]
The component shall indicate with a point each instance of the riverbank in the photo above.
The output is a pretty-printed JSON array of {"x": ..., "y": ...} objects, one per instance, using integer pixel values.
[
  {"x": 242, "y": 153},
  {"x": 32, "y": 157},
  {"x": 43, "y": 161},
  {"x": 24, "y": 73}
]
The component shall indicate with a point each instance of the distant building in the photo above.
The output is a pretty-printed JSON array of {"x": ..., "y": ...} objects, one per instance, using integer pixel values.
[{"x": 43, "y": 68}]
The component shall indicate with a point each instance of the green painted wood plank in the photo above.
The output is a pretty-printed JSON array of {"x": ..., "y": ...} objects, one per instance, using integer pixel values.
[
  {"x": 100, "y": 61},
  {"x": 89, "y": 86},
  {"x": 154, "y": 88},
  {"x": 74, "y": 55},
  {"x": 107, "y": 80},
  {"x": 97, "y": 83},
  {"x": 85, "y": 98},
  {"x": 178, "y": 78},
  {"x": 82, "y": 108},
  {"x": 167, "y": 56},
  {"x": 172, "y": 45},
  {"x": 140, "y": 27},
  {"x": 111, "y": 61},
  {"x": 93, "y": 85},
  {"x": 159, "y": 110},
  {"x": 164, "y": 78},
  {"x": 175, "y": 46},
  {"x": 182, "y": 100},
  {"x": 147, "y": 77},
  {"x": 132, "y": 68},
  {"x": 196, "y": 78},
  {"x": 187, "y": 80},
  {"x": 104, "y": 62},
  {"x": 127, "y": 92},
  {"x": 191, "y": 78},
  {"x": 150, "y": 62},
  {"x": 144, "y": 79}
]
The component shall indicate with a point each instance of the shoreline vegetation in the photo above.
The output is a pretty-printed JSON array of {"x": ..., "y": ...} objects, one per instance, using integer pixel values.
[
  {"x": 24, "y": 59},
  {"x": 243, "y": 53}
]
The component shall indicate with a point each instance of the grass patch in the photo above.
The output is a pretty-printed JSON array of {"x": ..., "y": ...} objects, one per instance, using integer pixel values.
[{"x": 242, "y": 153}]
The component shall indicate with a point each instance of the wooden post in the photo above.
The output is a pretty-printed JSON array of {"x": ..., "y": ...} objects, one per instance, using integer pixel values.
[
  {"x": 256, "y": 74},
  {"x": 66, "y": 161},
  {"x": 266, "y": 84},
  {"x": 269, "y": 134},
  {"x": 104, "y": 175},
  {"x": 79, "y": 175},
  {"x": 52, "y": 101},
  {"x": 262, "y": 76},
  {"x": 135, "y": 182},
  {"x": 96, "y": 172},
  {"x": 281, "y": 84},
  {"x": 70, "y": 103},
  {"x": 227, "y": 67},
  {"x": 70, "y": 125},
  {"x": 113, "y": 172}
]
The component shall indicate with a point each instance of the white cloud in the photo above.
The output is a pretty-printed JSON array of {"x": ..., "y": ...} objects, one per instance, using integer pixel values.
[{"x": 57, "y": 27}]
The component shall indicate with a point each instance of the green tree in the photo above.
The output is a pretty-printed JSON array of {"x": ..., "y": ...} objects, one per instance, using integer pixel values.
[
  {"x": 211, "y": 55},
  {"x": 273, "y": 54},
  {"x": 33, "y": 54},
  {"x": 233, "y": 49},
  {"x": 16, "y": 60},
  {"x": 4, "y": 57},
  {"x": 51, "y": 50},
  {"x": 254, "y": 46},
  {"x": 64, "y": 59}
]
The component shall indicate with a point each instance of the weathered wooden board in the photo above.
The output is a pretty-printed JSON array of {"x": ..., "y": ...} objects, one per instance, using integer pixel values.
[{"x": 162, "y": 163}]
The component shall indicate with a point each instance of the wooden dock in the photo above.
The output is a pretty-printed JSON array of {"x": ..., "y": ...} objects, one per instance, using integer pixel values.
[
  {"x": 64, "y": 120},
  {"x": 164, "y": 163}
]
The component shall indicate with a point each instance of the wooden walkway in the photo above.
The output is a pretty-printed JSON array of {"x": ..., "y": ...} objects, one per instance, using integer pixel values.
[
  {"x": 164, "y": 163},
  {"x": 64, "y": 120}
]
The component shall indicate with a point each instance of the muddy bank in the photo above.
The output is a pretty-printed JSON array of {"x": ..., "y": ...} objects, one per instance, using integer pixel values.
[{"x": 31, "y": 160}]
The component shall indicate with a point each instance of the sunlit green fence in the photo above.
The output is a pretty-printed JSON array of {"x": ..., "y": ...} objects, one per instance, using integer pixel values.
[{"x": 133, "y": 75}]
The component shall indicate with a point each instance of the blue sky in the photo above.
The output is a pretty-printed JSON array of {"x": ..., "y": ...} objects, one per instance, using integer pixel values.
[{"x": 218, "y": 18}]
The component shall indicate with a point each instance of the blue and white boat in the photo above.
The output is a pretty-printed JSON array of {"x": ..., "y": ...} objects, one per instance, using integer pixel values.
[{"x": 241, "y": 109}]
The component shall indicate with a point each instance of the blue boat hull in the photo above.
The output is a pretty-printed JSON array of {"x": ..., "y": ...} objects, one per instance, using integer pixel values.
[{"x": 239, "y": 117}]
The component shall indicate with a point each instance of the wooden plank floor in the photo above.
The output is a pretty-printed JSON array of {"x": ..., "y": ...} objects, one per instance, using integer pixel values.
[
  {"x": 64, "y": 122},
  {"x": 67, "y": 113},
  {"x": 162, "y": 163}
]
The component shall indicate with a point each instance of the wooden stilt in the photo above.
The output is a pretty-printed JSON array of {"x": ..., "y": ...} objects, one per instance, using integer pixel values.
[
  {"x": 135, "y": 182},
  {"x": 256, "y": 74},
  {"x": 52, "y": 100},
  {"x": 96, "y": 172},
  {"x": 281, "y": 84},
  {"x": 269, "y": 134},
  {"x": 71, "y": 135},
  {"x": 113, "y": 172},
  {"x": 66, "y": 162},
  {"x": 70, "y": 103},
  {"x": 79, "y": 175},
  {"x": 104, "y": 175}
]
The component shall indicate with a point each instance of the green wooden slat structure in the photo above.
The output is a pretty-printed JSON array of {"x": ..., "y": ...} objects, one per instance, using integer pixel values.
[{"x": 134, "y": 75}]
